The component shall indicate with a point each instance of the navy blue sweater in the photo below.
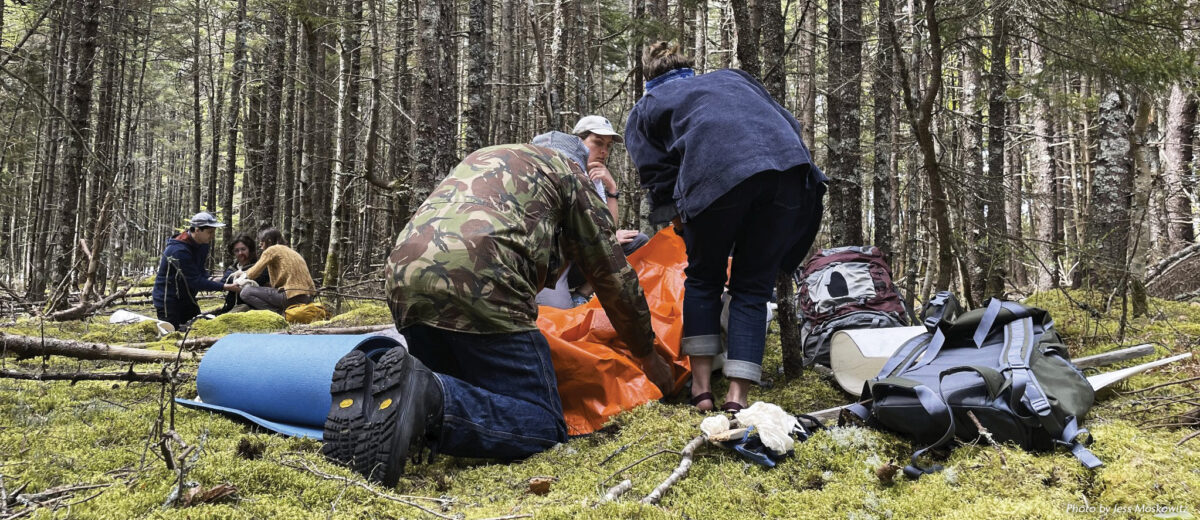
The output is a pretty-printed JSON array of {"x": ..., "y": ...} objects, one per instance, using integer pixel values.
[
  {"x": 695, "y": 138},
  {"x": 181, "y": 272}
]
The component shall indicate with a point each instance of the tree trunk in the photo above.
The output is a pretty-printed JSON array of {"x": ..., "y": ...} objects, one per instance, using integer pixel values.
[
  {"x": 272, "y": 120},
  {"x": 26, "y": 347},
  {"x": 775, "y": 62},
  {"x": 197, "y": 115},
  {"x": 435, "y": 95},
  {"x": 235, "y": 112},
  {"x": 1108, "y": 215},
  {"x": 1043, "y": 180},
  {"x": 996, "y": 255},
  {"x": 1177, "y": 158},
  {"x": 845, "y": 78},
  {"x": 479, "y": 70},
  {"x": 883, "y": 174},
  {"x": 85, "y": 20},
  {"x": 1144, "y": 153},
  {"x": 347, "y": 131},
  {"x": 747, "y": 42}
]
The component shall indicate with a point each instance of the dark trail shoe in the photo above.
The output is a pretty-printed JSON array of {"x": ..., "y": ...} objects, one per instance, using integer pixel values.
[
  {"x": 407, "y": 400},
  {"x": 345, "y": 424}
]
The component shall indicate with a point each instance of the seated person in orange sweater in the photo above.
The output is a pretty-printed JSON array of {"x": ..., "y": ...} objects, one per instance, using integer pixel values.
[{"x": 291, "y": 283}]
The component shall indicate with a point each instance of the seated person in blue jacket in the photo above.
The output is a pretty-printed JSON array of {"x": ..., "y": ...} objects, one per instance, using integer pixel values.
[
  {"x": 244, "y": 251},
  {"x": 719, "y": 155},
  {"x": 181, "y": 272}
]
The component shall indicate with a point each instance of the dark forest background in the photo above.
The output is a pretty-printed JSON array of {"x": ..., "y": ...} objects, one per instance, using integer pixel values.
[{"x": 996, "y": 147}]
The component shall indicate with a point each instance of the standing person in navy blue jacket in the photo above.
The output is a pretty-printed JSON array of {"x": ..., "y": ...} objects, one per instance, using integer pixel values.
[
  {"x": 181, "y": 272},
  {"x": 726, "y": 163}
]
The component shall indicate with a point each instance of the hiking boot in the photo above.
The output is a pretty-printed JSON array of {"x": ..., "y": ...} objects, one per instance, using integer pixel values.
[
  {"x": 407, "y": 411},
  {"x": 344, "y": 426}
]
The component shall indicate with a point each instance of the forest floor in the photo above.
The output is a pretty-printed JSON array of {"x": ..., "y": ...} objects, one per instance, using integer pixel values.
[{"x": 90, "y": 449}]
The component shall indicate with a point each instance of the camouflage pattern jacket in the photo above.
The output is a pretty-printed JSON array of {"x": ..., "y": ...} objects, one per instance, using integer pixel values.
[{"x": 494, "y": 232}]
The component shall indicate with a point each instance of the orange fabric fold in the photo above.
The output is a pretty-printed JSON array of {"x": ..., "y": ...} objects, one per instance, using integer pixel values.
[{"x": 597, "y": 376}]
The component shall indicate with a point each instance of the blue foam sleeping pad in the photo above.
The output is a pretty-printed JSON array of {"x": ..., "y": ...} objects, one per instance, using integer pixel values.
[{"x": 278, "y": 381}]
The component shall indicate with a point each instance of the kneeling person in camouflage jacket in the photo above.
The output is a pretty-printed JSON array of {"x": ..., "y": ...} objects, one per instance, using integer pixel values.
[{"x": 462, "y": 280}]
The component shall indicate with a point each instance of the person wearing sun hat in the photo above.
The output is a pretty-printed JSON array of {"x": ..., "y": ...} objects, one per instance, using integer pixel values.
[{"x": 181, "y": 273}]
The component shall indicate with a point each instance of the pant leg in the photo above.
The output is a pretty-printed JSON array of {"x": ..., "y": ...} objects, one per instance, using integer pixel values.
[
  {"x": 782, "y": 219},
  {"x": 265, "y": 298},
  {"x": 502, "y": 402},
  {"x": 709, "y": 238},
  {"x": 638, "y": 241}
]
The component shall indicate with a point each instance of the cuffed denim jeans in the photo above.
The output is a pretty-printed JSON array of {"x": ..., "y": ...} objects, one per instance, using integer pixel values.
[
  {"x": 767, "y": 221},
  {"x": 500, "y": 394}
]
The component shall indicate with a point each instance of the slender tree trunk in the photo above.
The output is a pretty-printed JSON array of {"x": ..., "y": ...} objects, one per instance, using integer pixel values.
[
  {"x": 346, "y": 167},
  {"x": 235, "y": 111},
  {"x": 1143, "y": 140},
  {"x": 996, "y": 256},
  {"x": 272, "y": 118},
  {"x": 479, "y": 70},
  {"x": 747, "y": 40},
  {"x": 1108, "y": 215},
  {"x": 85, "y": 19},
  {"x": 1044, "y": 175},
  {"x": 197, "y": 116},
  {"x": 1178, "y": 156},
  {"x": 974, "y": 226}
]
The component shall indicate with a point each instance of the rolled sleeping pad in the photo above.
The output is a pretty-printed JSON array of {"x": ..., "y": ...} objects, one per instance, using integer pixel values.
[
  {"x": 278, "y": 381},
  {"x": 857, "y": 355}
]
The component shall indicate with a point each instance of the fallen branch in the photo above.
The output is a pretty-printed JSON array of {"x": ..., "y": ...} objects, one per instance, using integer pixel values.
[
  {"x": 680, "y": 471},
  {"x": 1165, "y": 264},
  {"x": 131, "y": 376},
  {"x": 987, "y": 435},
  {"x": 303, "y": 465},
  {"x": 362, "y": 329},
  {"x": 1115, "y": 356},
  {"x": 1188, "y": 438},
  {"x": 28, "y": 346},
  {"x": 616, "y": 491},
  {"x": 184, "y": 344},
  {"x": 85, "y": 309}
]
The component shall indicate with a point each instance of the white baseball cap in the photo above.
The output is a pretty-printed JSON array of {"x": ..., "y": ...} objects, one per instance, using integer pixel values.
[
  {"x": 596, "y": 125},
  {"x": 205, "y": 219}
]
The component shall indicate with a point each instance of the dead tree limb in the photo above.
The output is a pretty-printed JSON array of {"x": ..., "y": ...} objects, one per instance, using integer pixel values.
[
  {"x": 139, "y": 377},
  {"x": 28, "y": 346},
  {"x": 85, "y": 308},
  {"x": 362, "y": 329},
  {"x": 680, "y": 471},
  {"x": 1115, "y": 356},
  {"x": 1170, "y": 261},
  {"x": 616, "y": 491}
]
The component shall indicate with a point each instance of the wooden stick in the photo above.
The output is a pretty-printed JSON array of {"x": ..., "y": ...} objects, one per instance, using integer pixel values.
[
  {"x": 301, "y": 464},
  {"x": 140, "y": 377},
  {"x": 28, "y": 346},
  {"x": 616, "y": 491},
  {"x": 1116, "y": 356},
  {"x": 679, "y": 473}
]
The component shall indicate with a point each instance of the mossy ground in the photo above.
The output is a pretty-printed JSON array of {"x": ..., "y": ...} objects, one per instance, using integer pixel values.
[{"x": 55, "y": 434}]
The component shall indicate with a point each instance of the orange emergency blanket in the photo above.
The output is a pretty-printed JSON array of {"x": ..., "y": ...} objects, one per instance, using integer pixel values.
[{"x": 597, "y": 377}]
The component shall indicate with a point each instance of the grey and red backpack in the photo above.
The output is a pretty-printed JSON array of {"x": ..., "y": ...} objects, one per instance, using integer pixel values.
[{"x": 845, "y": 288}]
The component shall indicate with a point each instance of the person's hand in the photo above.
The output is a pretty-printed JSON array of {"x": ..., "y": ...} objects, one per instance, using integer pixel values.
[
  {"x": 625, "y": 236},
  {"x": 233, "y": 287},
  {"x": 659, "y": 372},
  {"x": 597, "y": 171}
]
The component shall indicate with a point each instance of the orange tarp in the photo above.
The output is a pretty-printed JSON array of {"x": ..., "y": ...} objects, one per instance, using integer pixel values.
[{"x": 597, "y": 378}]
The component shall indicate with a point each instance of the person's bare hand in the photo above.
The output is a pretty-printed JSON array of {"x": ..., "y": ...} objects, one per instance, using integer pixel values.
[
  {"x": 625, "y": 236},
  {"x": 597, "y": 171},
  {"x": 659, "y": 372},
  {"x": 233, "y": 287}
]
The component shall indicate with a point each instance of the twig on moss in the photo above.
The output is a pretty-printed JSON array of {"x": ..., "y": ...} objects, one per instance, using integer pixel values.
[
  {"x": 403, "y": 499},
  {"x": 639, "y": 461},
  {"x": 616, "y": 491},
  {"x": 1188, "y": 438},
  {"x": 1169, "y": 383},
  {"x": 621, "y": 450},
  {"x": 509, "y": 517},
  {"x": 679, "y": 473},
  {"x": 983, "y": 432},
  {"x": 131, "y": 376}
]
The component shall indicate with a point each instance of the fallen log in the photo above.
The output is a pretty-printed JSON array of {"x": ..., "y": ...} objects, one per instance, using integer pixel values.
[
  {"x": 362, "y": 329},
  {"x": 139, "y": 377},
  {"x": 28, "y": 346}
]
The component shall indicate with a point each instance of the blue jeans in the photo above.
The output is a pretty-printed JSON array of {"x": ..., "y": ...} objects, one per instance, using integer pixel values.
[
  {"x": 768, "y": 222},
  {"x": 500, "y": 395}
]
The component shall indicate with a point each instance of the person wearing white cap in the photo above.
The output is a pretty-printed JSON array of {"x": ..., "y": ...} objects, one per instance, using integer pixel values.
[
  {"x": 181, "y": 273},
  {"x": 598, "y": 136}
]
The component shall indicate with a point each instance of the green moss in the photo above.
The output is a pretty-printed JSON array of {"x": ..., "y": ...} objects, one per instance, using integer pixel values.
[
  {"x": 100, "y": 432},
  {"x": 369, "y": 313},
  {"x": 251, "y": 321}
]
